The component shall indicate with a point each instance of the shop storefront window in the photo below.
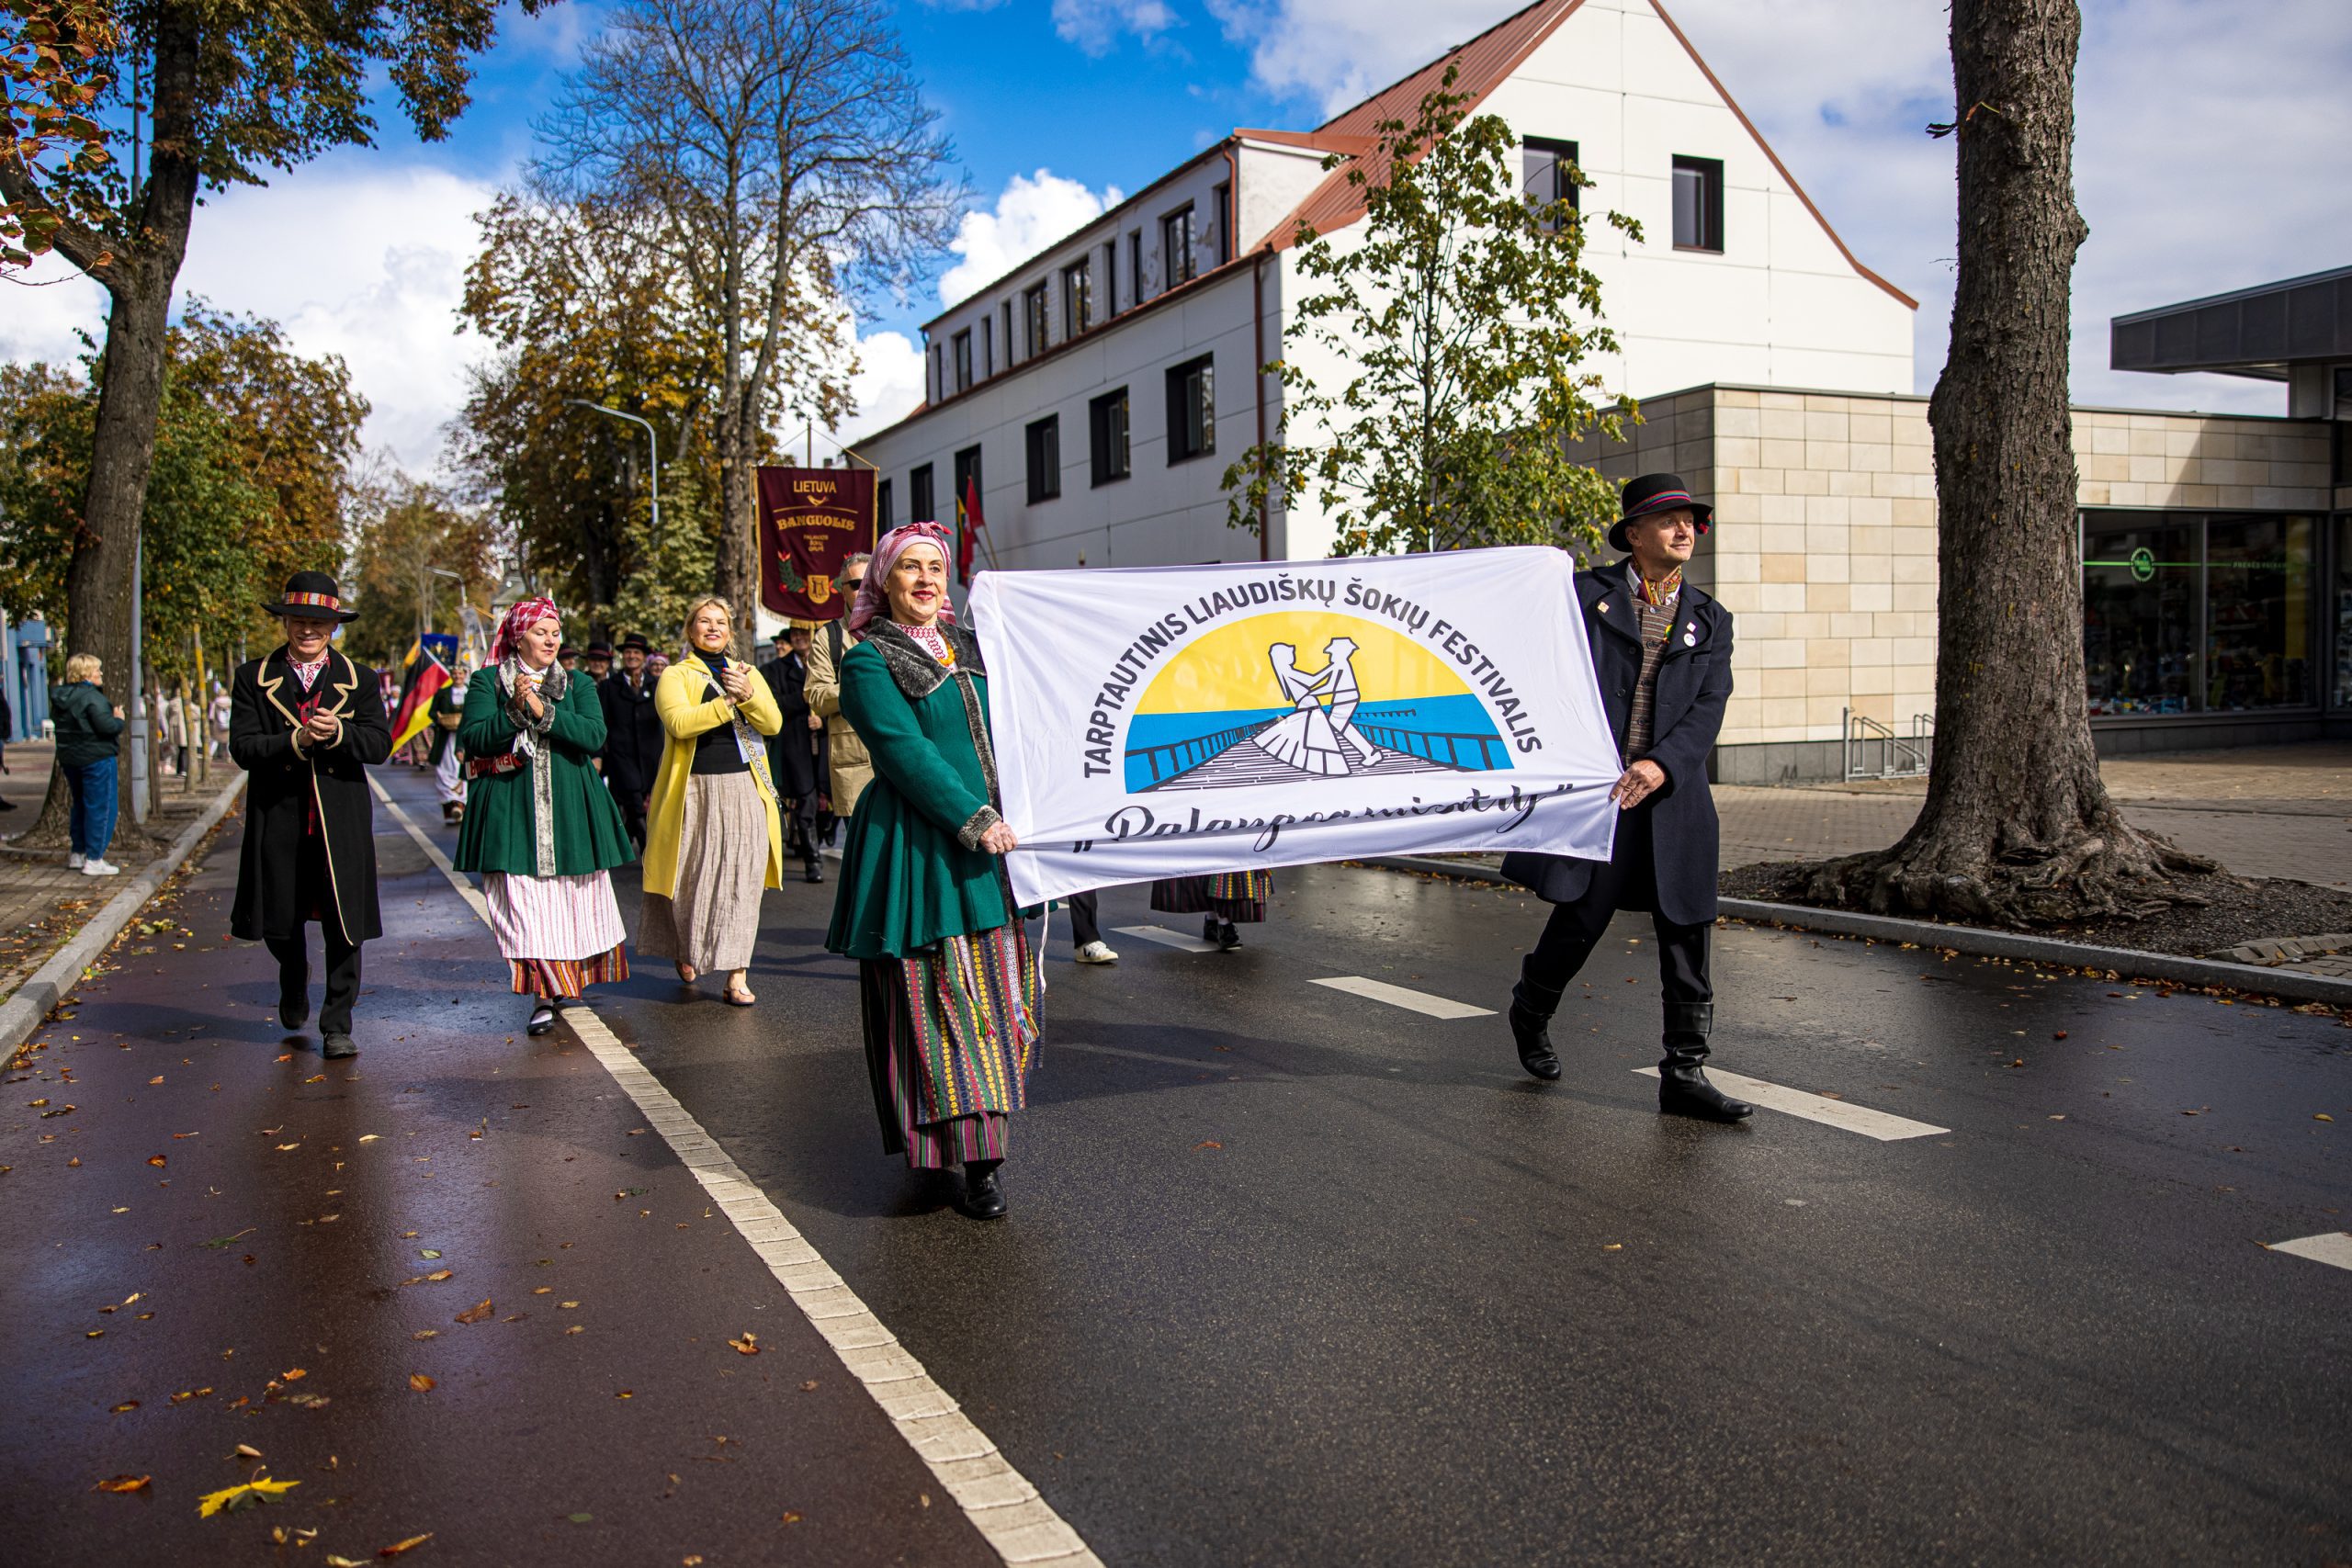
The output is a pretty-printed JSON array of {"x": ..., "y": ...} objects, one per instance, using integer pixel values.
[
  {"x": 2187, "y": 611},
  {"x": 2258, "y": 614},
  {"x": 2140, "y": 577},
  {"x": 2340, "y": 609}
]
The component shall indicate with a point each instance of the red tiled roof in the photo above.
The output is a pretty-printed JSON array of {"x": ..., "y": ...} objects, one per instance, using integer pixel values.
[{"x": 1484, "y": 62}]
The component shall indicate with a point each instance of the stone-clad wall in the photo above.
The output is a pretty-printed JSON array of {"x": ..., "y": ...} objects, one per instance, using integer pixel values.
[{"x": 1826, "y": 543}]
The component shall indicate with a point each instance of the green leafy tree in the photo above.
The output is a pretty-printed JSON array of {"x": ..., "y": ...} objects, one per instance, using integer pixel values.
[
  {"x": 228, "y": 92},
  {"x": 419, "y": 555},
  {"x": 1460, "y": 314}
]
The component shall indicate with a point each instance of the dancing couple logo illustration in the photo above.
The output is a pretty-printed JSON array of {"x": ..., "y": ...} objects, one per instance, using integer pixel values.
[{"x": 1301, "y": 695}]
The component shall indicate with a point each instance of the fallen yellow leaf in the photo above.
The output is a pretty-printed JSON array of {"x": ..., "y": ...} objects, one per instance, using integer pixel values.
[
  {"x": 398, "y": 1546},
  {"x": 475, "y": 1313},
  {"x": 748, "y": 1345},
  {"x": 124, "y": 1483},
  {"x": 422, "y": 1383},
  {"x": 260, "y": 1489}
]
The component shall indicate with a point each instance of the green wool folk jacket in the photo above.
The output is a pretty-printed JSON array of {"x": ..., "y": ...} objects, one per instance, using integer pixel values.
[
  {"x": 500, "y": 826},
  {"x": 912, "y": 870}
]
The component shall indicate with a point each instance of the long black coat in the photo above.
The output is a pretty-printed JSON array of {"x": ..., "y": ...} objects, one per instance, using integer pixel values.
[
  {"x": 633, "y": 734},
  {"x": 1693, "y": 685},
  {"x": 792, "y": 751},
  {"x": 284, "y": 785}
]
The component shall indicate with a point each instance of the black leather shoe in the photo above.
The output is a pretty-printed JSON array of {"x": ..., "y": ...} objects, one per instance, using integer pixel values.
[
  {"x": 294, "y": 1009},
  {"x": 814, "y": 872},
  {"x": 542, "y": 1020},
  {"x": 1208, "y": 928},
  {"x": 1227, "y": 938},
  {"x": 337, "y": 1047},
  {"x": 983, "y": 1196},
  {"x": 565, "y": 1004},
  {"x": 1683, "y": 1090},
  {"x": 1532, "y": 1035}
]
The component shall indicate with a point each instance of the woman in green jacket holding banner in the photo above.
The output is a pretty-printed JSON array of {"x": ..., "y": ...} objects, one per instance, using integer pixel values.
[
  {"x": 540, "y": 824},
  {"x": 947, "y": 983}
]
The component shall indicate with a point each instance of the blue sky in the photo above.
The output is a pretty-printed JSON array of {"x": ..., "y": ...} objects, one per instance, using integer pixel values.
[{"x": 2210, "y": 138}]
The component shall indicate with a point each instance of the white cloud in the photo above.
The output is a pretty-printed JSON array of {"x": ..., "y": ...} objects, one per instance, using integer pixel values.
[
  {"x": 1034, "y": 211},
  {"x": 888, "y": 384},
  {"x": 2193, "y": 164},
  {"x": 366, "y": 261},
  {"x": 1095, "y": 26}
]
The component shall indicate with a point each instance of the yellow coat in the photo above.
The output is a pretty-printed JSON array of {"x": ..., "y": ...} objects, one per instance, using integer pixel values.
[{"x": 685, "y": 717}]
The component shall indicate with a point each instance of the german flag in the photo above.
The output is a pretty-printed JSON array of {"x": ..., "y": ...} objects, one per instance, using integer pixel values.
[{"x": 417, "y": 706}]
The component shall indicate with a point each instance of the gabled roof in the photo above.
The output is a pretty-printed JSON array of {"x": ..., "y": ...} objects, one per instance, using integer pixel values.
[{"x": 1486, "y": 61}]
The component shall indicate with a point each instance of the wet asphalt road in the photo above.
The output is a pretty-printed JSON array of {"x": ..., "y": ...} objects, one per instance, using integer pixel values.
[{"x": 1297, "y": 1277}]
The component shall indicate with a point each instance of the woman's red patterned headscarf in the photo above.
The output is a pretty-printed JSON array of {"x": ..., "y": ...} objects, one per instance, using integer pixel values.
[
  {"x": 527, "y": 613},
  {"x": 872, "y": 599}
]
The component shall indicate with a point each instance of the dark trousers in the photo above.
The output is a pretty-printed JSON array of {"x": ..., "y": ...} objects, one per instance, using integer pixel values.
[
  {"x": 800, "y": 826},
  {"x": 343, "y": 971},
  {"x": 1628, "y": 882},
  {"x": 632, "y": 804},
  {"x": 1085, "y": 922}
]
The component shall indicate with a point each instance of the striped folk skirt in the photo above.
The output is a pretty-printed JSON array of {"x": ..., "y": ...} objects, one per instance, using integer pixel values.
[
  {"x": 951, "y": 1034},
  {"x": 1236, "y": 897},
  {"x": 557, "y": 933},
  {"x": 712, "y": 918}
]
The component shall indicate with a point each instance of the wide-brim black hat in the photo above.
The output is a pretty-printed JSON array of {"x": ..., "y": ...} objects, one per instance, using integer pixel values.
[
  {"x": 312, "y": 596},
  {"x": 636, "y": 640},
  {"x": 1657, "y": 493},
  {"x": 598, "y": 650}
]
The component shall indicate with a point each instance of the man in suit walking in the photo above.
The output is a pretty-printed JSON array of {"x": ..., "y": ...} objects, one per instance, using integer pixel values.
[
  {"x": 305, "y": 723},
  {"x": 792, "y": 750},
  {"x": 1661, "y": 649},
  {"x": 633, "y": 734}
]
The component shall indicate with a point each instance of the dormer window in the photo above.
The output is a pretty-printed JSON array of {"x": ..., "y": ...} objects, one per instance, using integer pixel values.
[
  {"x": 1033, "y": 320},
  {"x": 1077, "y": 298},
  {"x": 1176, "y": 245}
]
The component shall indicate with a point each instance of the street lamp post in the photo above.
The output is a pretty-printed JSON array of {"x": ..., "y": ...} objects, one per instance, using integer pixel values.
[{"x": 653, "y": 444}]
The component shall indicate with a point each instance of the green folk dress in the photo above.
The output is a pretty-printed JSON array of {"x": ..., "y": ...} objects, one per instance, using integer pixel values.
[
  {"x": 948, "y": 984},
  {"x": 542, "y": 830}
]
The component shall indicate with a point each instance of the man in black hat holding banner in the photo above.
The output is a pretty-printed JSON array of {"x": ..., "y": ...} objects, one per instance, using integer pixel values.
[
  {"x": 1661, "y": 649},
  {"x": 304, "y": 723}
]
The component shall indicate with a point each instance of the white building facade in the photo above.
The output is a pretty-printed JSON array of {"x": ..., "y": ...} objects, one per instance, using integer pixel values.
[{"x": 1095, "y": 396}]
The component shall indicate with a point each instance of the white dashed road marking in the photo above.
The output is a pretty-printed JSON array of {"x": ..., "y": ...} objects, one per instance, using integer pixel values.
[
  {"x": 1882, "y": 1125},
  {"x": 1399, "y": 997},
  {"x": 1166, "y": 938},
  {"x": 1019, "y": 1525},
  {"x": 2334, "y": 1247}
]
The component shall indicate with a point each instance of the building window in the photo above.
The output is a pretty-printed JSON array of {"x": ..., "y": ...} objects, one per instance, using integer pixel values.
[
  {"x": 919, "y": 497},
  {"x": 2341, "y": 603},
  {"x": 938, "y": 384},
  {"x": 1106, "y": 435},
  {"x": 1077, "y": 297},
  {"x": 987, "y": 345},
  {"x": 1547, "y": 174},
  {"x": 1008, "y": 334},
  {"x": 1033, "y": 321},
  {"x": 2196, "y": 613},
  {"x": 1698, "y": 204},
  {"x": 1111, "y": 278},
  {"x": 963, "y": 343},
  {"x": 1192, "y": 409},
  {"x": 1135, "y": 265},
  {"x": 884, "y": 519},
  {"x": 968, "y": 480},
  {"x": 1045, "y": 458},
  {"x": 1222, "y": 224},
  {"x": 1176, "y": 246}
]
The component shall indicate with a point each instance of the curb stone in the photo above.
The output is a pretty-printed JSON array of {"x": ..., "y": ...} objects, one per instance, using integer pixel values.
[
  {"x": 2290, "y": 984},
  {"x": 23, "y": 1012}
]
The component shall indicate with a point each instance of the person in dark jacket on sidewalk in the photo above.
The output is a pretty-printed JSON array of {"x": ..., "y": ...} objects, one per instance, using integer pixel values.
[
  {"x": 87, "y": 727},
  {"x": 1661, "y": 649},
  {"x": 633, "y": 734},
  {"x": 792, "y": 750},
  {"x": 305, "y": 723}
]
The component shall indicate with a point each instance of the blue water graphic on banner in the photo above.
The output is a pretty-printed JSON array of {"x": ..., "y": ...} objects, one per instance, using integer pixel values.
[{"x": 1452, "y": 731}]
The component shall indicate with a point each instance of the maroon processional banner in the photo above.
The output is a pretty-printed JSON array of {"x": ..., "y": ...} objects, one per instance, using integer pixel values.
[{"x": 811, "y": 522}]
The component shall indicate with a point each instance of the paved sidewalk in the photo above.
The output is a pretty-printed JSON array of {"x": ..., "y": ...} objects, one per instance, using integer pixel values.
[
  {"x": 2273, "y": 811},
  {"x": 42, "y": 902}
]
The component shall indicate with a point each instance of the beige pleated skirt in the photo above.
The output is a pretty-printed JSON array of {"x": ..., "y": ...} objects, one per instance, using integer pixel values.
[{"x": 713, "y": 917}]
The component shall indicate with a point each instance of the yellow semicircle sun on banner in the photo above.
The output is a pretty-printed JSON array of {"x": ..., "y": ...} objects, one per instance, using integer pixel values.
[{"x": 1227, "y": 669}]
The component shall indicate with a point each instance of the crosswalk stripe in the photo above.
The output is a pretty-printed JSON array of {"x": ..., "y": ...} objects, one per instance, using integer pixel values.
[
  {"x": 999, "y": 1502},
  {"x": 1886, "y": 1127},
  {"x": 1401, "y": 996},
  {"x": 1166, "y": 938},
  {"x": 2333, "y": 1247}
]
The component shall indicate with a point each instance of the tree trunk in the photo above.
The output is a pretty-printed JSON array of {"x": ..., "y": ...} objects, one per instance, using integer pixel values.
[
  {"x": 2018, "y": 828},
  {"x": 738, "y": 564}
]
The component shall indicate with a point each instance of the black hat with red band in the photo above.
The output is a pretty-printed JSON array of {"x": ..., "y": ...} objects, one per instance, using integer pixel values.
[
  {"x": 1657, "y": 493},
  {"x": 311, "y": 595}
]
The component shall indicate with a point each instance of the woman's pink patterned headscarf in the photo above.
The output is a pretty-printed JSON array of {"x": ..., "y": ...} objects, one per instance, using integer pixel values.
[
  {"x": 527, "y": 613},
  {"x": 872, "y": 599}
]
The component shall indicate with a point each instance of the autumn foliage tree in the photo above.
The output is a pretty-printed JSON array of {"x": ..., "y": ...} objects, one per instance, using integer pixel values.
[
  {"x": 416, "y": 557},
  {"x": 1456, "y": 318}
]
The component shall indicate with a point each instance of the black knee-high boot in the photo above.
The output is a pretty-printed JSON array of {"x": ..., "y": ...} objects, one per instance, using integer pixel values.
[
  {"x": 1683, "y": 1086},
  {"x": 1532, "y": 1006}
]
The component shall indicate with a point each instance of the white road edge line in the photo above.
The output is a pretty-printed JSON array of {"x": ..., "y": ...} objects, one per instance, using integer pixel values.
[
  {"x": 1020, "y": 1526},
  {"x": 1167, "y": 938},
  {"x": 2334, "y": 1247},
  {"x": 1401, "y": 996},
  {"x": 1886, "y": 1127}
]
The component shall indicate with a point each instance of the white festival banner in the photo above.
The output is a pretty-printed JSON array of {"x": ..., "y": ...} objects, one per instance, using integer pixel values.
[{"x": 1171, "y": 721}]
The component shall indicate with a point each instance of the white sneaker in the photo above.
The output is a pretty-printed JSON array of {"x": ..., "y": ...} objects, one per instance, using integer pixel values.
[
  {"x": 1096, "y": 953},
  {"x": 99, "y": 868},
  {"x": 73, "y": 860}
]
